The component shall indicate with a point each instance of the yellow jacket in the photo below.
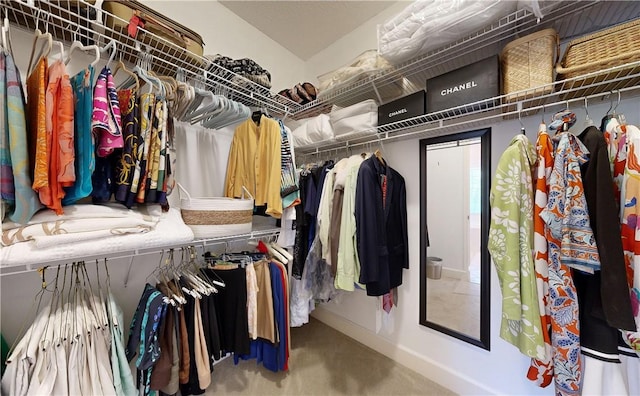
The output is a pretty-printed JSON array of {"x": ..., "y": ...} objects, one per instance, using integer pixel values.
[{"x": 255, "y": 163}]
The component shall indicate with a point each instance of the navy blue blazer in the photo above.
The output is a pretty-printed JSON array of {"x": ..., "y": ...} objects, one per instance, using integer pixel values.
[{"x": 381, "y": 231}]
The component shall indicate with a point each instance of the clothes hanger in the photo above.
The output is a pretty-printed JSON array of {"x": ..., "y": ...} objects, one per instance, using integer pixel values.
[
  {"x": 522, "y": 130},
  {"x": 120, "y": 66},
  {"x": 378, "y": 155},
  {"x": 111, "y": 46},
  {"x": 587, "y": 120},
  {"x": 282, "y": 250},
  {"x": 78, "y": 45},
  {"x": 5, "y": 31},
  {"x": 46, "y": 48},
  {"x": 543, "y": 126},
  {"x": 197, "y": 283},
  {"x": 616, "y": 106}
]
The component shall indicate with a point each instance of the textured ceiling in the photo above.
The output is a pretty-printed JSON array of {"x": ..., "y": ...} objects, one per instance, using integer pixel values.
[{"x": 306, "y": 27}]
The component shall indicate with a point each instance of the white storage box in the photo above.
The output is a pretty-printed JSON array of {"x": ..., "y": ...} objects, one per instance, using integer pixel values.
[
  {"x": 360, "y": 119},
  {"x": 217, "y": 217}
]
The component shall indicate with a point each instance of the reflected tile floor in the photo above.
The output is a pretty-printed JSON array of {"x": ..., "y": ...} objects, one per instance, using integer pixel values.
[
  {"x": 454, "y": 303},
  {"x": 323, "y": 361}
]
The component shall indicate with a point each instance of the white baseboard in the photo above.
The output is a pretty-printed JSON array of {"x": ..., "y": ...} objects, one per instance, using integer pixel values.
[{"x": 422, "y": 365}]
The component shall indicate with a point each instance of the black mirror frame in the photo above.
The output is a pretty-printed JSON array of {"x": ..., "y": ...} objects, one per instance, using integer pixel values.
[{"x": 485, "y": 270}]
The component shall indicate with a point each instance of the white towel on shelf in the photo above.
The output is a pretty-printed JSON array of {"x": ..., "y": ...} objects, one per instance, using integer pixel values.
[
  {"x": 170, "y": 230},
  {"x": 81, "y": 223}
]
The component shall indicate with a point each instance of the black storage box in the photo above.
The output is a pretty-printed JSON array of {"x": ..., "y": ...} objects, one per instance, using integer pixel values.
[
  {"x": 477, "y": 81},
  {"x": 400, "y": 109}
]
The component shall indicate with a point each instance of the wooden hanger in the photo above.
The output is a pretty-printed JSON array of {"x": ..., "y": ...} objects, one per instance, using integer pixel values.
[{"x": 378, "y": 155}]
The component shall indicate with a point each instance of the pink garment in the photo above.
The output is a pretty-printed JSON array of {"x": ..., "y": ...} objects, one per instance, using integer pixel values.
[{"x": 105, "y": 120}]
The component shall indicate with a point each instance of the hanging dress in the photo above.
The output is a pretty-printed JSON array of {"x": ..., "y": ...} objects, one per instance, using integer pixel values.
[
  {"x": 36, "y": 114},
  {"x": 7, "y": 191},
  {"x": 26, "y": 202},
  {"x": 541, "y": 370},
  {"x": 125, "y": 165},
  {"x": 84, "y": 146}
]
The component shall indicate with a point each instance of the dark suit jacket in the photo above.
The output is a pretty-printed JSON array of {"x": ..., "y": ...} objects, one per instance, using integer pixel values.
[
  {"x": 381, "y": 231},
  {"x": 604, "y": 296}
]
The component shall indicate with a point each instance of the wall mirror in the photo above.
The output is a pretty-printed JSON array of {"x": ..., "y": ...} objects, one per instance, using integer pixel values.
[{"x": 454, "y": 222}]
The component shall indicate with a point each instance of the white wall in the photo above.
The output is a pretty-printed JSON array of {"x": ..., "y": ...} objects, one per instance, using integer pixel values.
[
  {"x": 350, "y": 46},
  {"x": 446, "y": 203},
  {"x": 227, "y": 34},
  {"x": 457, "y": 365}
]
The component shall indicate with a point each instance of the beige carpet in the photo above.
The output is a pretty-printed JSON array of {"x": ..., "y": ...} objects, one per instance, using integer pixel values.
[{"x": 323, "y": 361}]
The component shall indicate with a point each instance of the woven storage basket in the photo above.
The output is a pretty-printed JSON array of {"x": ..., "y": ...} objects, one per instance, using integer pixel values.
[
  {"x": 602, "y": 50},
  {"x": 217, "y": 217},
  {"x": 528, "y": 64}
]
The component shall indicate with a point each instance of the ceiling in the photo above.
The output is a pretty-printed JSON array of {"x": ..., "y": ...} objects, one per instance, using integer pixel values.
[{"x": 306, "y": 27}]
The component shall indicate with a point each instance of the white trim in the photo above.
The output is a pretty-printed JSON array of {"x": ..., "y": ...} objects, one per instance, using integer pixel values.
[{"x": 434, "y": 371}]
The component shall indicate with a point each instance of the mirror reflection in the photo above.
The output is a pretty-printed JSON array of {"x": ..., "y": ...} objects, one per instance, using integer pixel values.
[{"x": 454, "y": 255}]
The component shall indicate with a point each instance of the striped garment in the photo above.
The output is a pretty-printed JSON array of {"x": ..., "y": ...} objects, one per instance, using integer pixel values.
[{"x": 289, "y": 190}]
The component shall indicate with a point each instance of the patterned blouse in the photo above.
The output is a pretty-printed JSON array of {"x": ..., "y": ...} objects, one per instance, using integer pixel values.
[{"x": 511, "y": 246}]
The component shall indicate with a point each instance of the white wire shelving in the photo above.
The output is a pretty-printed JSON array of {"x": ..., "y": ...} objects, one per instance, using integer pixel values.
[
  {"x": 258, "y": 232},
  {"x": 624, "y": 79},
  {"x": 570, "y": 19},
  {"x": 71, "y": 20}
]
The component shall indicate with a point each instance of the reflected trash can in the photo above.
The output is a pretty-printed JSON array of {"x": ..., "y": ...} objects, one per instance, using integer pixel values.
[{"x": 434, "y": 267}]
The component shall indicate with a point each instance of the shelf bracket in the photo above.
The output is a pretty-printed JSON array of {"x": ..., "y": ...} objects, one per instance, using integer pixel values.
[
  {"x": 375, "y": 89},
  {"x": 126, "y": 278}
]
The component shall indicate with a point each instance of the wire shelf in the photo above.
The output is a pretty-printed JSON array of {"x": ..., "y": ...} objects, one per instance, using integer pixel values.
[
  {"x": 623, "y": 78},
  {"x": 569, "y": 18},
  {"x": 257, "y": 232},
  {"x": 79, "y": 20}
]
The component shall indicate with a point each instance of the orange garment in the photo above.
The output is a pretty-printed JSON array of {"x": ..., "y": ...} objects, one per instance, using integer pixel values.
[
  {"x": 37, "y": 133},
  {"x": 59, "y": 106}
]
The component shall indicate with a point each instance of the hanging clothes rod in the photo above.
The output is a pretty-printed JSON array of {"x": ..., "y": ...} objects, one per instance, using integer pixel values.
[{"x": 132, "y": 254}]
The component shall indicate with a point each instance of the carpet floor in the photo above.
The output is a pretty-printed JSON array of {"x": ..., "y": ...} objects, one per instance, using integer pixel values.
[{"x": 323, "y": 361}]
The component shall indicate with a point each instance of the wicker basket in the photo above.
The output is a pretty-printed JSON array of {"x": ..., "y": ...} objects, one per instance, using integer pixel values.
[
  {"x": 527, "y": 65},
  {"x": 602, "y": 50},
  {"x": 217, "y": 217}
]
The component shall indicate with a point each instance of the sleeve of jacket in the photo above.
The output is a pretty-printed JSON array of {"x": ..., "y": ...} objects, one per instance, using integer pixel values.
[
  {"x": 605, "y": 223},
  {"x": 403, "y": 222},
  {"x": 232, "y": 168},
  {"x": 324, "y": 214},
  {"x": 366, "y": 224}
]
